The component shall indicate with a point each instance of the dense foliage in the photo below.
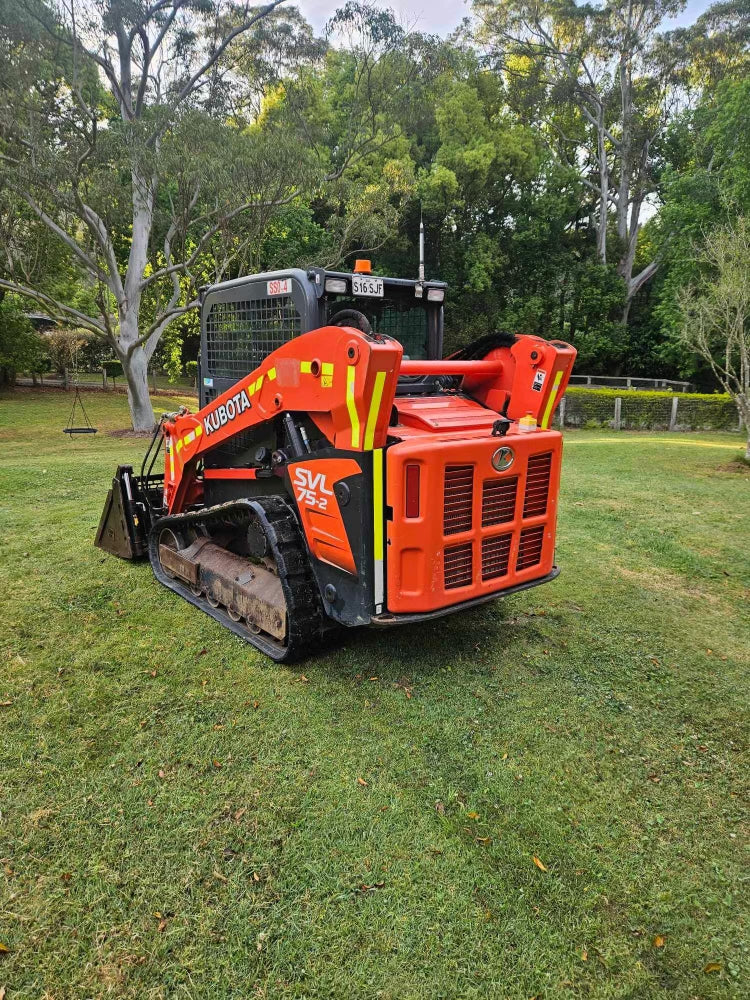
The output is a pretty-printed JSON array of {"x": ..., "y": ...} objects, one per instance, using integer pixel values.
[{"x": 507, "y": 138}]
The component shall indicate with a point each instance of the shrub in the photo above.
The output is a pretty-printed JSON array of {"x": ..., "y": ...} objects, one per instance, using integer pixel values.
[
  {"x": 113, "y": 369},
  {"x": 590, "y": 408}
]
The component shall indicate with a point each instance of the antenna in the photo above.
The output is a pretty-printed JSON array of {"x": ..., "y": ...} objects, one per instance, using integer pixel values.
[{"x": 421, "y": 246}]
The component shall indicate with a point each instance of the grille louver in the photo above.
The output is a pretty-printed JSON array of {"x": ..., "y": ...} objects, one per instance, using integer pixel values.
[
  {"x": 458, "y": 498},
  {"x": 495, "y": 556},
  {"x": 457, "y": 566},
  {"x": 537, "y": 485},
  {"x": 530, "y": 547},
  {"x": 499, "y": 500}
]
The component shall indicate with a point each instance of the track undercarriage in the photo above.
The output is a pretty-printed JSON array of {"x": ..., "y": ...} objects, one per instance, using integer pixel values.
[{"x": 244, "y": 563}]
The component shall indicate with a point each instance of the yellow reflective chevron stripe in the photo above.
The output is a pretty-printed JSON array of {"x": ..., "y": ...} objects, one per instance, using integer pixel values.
[
  {"x": 377, "y": 513},
  {"x": 551, "y": 401},
  {"x": 372, "y": 416},
  {"x": 351, "y": 405},
  {"x": 271, "y": 374}
]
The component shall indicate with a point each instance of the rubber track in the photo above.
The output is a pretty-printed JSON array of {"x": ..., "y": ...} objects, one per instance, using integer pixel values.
[{"x": 305, "y": 617}]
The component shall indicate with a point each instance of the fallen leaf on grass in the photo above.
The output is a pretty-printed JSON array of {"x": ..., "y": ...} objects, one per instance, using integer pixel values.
[
  {"x": 66, "y": 876},
  {"x": 4, "y": 949},
  {"x": 8, "y": 871},
  {"x": 240, "y": 813},
  {"x": 162, "y": 925},
  {"x": 305, "y": 680},
  {"x": 484, "y": 840},
  {"x": 220, "y": 877},
  {"x": 711, "y": 967},
  {"x": 6, "y": 704},
  {"x": 472, "y": 815},
  {"x": 2, "y": 993},
  {"x": 539, "y": 863},
  {"x": 162, "y": 774},
  {"x": 371, "y": 888},
  {"x": 440, "y": 808},
  {"x": 584, "y": 956},
  {"x": 659, "y": 941},
  {"x": 217, "y": 763},
  {"x": 361, "y": 781}
]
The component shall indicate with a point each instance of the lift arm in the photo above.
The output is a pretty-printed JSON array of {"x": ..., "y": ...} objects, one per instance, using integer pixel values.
[{"x": 344, "y": 379}]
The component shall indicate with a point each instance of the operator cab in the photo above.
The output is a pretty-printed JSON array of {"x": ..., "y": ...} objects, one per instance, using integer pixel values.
[{"x": 244, "y": 320}]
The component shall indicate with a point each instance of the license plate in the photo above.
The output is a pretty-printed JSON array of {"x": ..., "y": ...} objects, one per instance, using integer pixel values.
[{"x": 363, "y": 284}]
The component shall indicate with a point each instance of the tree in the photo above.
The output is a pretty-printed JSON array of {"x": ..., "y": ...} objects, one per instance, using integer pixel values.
[
  {"x": 715, "y": 312},
  {"x": 601, "y": 79},
  {"x": 123, "y": 147}
]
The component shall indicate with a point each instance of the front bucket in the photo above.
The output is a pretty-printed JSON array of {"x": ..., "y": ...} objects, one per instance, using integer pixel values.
[{"x": 122, "y": 530}]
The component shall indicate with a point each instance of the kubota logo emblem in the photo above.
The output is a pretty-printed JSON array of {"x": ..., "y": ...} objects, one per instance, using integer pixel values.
[
  {"x": 310, "y": 488},
  {"x": 502, "y": 459}
]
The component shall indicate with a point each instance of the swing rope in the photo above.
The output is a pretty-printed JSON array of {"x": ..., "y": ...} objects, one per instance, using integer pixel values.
[{"x": 71, "y": 427}]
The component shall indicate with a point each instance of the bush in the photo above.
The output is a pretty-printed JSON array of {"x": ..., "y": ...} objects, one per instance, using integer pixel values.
[
  {"x": 191, "y": 368},
  {"x": 113, "y": 369},
  {"x": 21, "y": 348},
  {"x": 588, "y": 408}
]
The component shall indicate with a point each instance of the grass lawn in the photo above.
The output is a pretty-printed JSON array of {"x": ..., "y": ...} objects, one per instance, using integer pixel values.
[{"x": 181, "y": 818}]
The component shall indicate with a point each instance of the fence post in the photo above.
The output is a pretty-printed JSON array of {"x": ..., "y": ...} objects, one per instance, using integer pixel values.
[
  {"x": 673, "y": 414},
  {"x": 588, "y": 380},
  {"x": 104, "y": 378},
  {"x": 561, "y": 411},
  {"x": 618, "y": 413}
]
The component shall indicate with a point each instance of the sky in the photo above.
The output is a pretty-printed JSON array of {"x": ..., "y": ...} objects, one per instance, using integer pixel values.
[{"x": 441, "y": 16}]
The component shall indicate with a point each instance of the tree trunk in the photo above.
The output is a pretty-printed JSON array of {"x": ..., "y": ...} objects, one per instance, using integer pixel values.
[{"x": 139, "y": 401}]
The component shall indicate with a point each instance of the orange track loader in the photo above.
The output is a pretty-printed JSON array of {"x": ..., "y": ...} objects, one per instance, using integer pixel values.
[{"x": 339, "y": 471}]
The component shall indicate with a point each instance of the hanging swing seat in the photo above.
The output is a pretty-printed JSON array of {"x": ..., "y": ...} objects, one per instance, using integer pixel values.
[{"x": 72, "y": 428}]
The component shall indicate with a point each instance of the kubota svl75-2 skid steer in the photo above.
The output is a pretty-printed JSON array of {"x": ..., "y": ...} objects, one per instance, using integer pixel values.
[{"x": 339, "y": 470}]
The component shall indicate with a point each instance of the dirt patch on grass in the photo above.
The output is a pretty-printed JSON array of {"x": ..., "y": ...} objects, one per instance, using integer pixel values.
[{"x": 738, "y": 465}]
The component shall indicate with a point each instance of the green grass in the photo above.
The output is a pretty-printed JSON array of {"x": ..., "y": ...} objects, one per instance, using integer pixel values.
[{"x": 181, "y": 818}]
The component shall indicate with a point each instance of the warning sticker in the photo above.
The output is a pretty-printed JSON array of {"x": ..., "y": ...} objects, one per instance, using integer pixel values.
[{"x": 539, "y": 379}]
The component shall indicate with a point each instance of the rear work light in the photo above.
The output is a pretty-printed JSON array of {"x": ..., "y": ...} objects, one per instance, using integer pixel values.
[
  {"x": 336, "y": 285},
  {"x": 435, "y": 294},
  {"x": 412, "y": 491}
]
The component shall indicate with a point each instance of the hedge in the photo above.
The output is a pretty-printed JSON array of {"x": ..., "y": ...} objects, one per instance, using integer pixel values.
[{"x": 649, "y": 410}]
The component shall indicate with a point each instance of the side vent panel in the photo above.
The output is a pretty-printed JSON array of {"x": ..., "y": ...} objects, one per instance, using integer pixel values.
[
  {"x": 458, "y": 497},
  {"x": 457, "y": 566},
  {"x": 499, "y": 500},
  {"x": 530, "y": 547},
  {"x": 537, "y": 485},
  {"x": 495, "y": 556}
]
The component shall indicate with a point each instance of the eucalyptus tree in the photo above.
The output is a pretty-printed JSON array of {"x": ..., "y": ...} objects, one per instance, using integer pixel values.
[
  {"x": 602, "y": 80},
  {"x": 147, "y": 145}
]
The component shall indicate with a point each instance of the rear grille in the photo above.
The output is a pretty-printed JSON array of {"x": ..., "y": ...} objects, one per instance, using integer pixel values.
[
  {"x": 457, "y": 566},
  {"x": 499, "y": 500},
  {"x": 458, "y": 497},
  {"x": 537, "y": 485},
  {"x": 530, "y": 547},
  {"x": 495, "y": 556}
]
